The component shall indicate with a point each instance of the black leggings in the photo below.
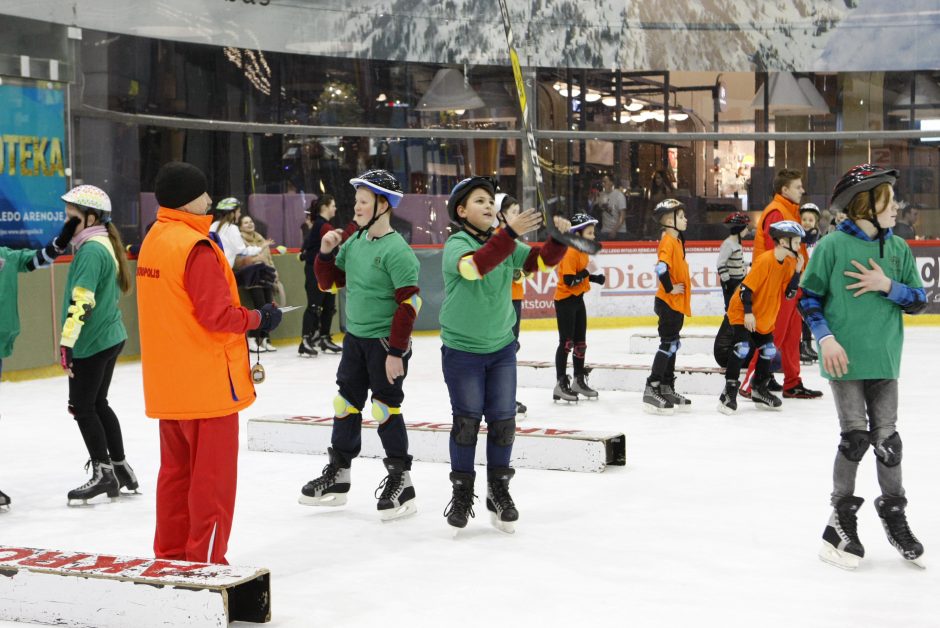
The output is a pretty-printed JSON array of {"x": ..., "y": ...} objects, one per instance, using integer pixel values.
[
  {"x": 572, "y": 333},
  {"x": 321, "y": 306},
  {"x": 670, "y": 324},
  {"x": 259, "y": 295},
  {"x": 754, "y": 342},
  {"x": 88, "y": 404}
]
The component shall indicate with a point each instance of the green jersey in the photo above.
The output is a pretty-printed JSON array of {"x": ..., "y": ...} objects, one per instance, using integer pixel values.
[
  {"x": 94, "y": 268},
  {"x": 477, "y": 316},
  {"x": 375, "y": 269},
  {"x": 869, "y": 327},
  {"x": 13, "y": 262}
]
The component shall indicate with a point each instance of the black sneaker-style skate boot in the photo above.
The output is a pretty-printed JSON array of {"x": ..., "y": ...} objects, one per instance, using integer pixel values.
[
  {"x": 331, "y": 487},
  {"x": 801, "y": 392},
  {"x": 4, "y": 499},
  {"x": 841, "y": 546},
  {"x": 654, "y": 402},
  {"x": 328, "y": 346},
  {"x": 563, "y": 390},
  {"x": 307, "y": 348},
  {"x": 125, "y": 475},
  {"x": 679, "y": 402},
  {"x": 580, "y": 386},
  {"x": 459, "y": 509},
  {"x": 808, "y": 355},
  {"x": 894, "y": 520},
  {"x": 396, "y": 493},
  {"x": 728, "y": 401},
  {"x": 503, "y": 513},
  {"x": 764, "y": 399},
  {"x": 102, "y": 481},
  {"x": 521, "y": 410}
]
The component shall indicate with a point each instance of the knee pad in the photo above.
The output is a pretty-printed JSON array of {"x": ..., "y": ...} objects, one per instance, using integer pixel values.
[
  {"x": 342, "y": 408},
  {"x": 579, "y": 349},
  {"x": 854, "y": 444},
  {"x": 888, "y": 451},
  {"x": 502, "y": 433},
  {"x": 381, "y": 412},
  {"x": 741, "y": 349},
  {"x": 768, "y": 351},
  {"x": 669, "y": 348},
  {"x": 567, "y": 346},
  {"x": 465, "y": 430}
]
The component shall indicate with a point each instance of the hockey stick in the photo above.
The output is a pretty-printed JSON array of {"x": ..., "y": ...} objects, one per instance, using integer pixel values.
[{"x": 588, "y": 246}]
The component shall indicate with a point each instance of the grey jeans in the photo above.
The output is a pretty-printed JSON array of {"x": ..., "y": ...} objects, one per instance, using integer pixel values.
[{"x": 869, "y": 405}]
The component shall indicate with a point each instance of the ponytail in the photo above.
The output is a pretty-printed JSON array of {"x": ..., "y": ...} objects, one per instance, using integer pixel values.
[{"x": 124, "y": 273}]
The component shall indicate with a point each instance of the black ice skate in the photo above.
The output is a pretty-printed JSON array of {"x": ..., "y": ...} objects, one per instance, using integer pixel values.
[
  {"x": 331, "y": 487},
  {"x": 801, "y": 392},
  {"x": 763, "y": 398},
  {"x": 125, "y": 476},
  {"x": 808, "y": 355},
  {"x": 459, "y": 509},
  {"x": 328, "y": 346},
  {"x": 396, "y": 493},
  {"x": 668, "y": 390},
  {"x": 841, "y": 546},
  {"x": 894, "y": 520},
  {"x": 503, "y": 513},
  {"x": 102, "y": 482},
  {"x": 563, "y": 390},
  {"x": 580, "y": 386},
  {"x": 728, "y": 401},
  {"x": 654, "y": 402},
  {"x": 521, "y": 410},
  {"x": 307, "y": 347},
  {"x": 4, "y": 501}
]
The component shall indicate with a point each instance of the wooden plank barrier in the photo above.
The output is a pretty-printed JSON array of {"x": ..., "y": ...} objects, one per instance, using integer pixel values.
[
  {"x": 648, "y": 344},
  {"x": 694, "y": 380}
]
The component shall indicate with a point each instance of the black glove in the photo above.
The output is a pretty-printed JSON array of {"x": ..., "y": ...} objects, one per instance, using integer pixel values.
[
  {"x": 791, "y": 292},
  {"x": 270, "y": 317},
  {"x": 65, "y": 234},
  {"x": 599, "y": 278},
  {"x": 573, "y": 280},
  {"x": 65, "y": 358}
]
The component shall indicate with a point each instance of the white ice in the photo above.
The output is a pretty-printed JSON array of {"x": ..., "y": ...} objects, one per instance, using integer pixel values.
[{"x": 715, "y": 520}]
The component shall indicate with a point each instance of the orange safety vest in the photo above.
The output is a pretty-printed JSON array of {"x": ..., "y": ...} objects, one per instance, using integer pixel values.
[
  {"x": 790, "y": 211},
  {"x": 189, "y": 371}
]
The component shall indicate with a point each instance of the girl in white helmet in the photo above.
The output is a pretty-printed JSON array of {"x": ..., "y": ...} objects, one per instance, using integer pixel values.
[{"x": 93, "y": 336}]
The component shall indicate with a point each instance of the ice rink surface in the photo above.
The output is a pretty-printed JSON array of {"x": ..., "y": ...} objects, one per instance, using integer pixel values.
[{"x": 715, "y": 520}]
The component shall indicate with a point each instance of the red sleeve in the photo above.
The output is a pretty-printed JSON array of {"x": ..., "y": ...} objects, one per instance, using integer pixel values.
[
  {"x": 350, "y": 230},
  {"x": 497, "y": 248},
  {"x": 551, "y": 253},
  {"x": 402, "y": 322},
  {"x": 211, "y": 297},
  {"x": 325, "y": 229},
  {"x": 327, "y": 273},
  {"x": 771, "y": 218}
]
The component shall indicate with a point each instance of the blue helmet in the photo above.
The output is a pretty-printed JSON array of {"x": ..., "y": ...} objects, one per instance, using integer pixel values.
[
  {"x": 382, "y": 183},
  {"x": 787, "y": 229}
]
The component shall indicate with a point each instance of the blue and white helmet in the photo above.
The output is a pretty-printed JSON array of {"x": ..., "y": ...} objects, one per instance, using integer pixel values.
[
  {"x": 382, "y": 183},
  {"x": 581, "y": 221},
  {"x": 787, "y": 229}
]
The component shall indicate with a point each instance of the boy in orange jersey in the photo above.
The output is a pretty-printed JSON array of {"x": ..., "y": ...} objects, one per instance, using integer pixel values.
[
  {"x": 774, "y": 275},
  {"x": 672, "y": 305},
  {"x": 574, "y": 280}
]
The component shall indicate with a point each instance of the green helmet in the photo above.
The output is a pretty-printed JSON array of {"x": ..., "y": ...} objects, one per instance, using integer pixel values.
[{"x": 228, "y": 204}]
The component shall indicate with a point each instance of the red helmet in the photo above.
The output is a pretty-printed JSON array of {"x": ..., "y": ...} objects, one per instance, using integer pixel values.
[
  {"x": 859, "y": 179},
  {"x": 737, "y": 219}
]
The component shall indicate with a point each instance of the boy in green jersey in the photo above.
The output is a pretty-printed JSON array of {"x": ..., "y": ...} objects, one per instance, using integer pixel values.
[
  {"x": 479, "y": 352},
  {"x": 380, "y": 273},
  {"x": 854, "y": 306}
]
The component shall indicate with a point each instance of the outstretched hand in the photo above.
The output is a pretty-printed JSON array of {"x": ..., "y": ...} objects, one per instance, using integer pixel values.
[{"x": 525, "y": 221}]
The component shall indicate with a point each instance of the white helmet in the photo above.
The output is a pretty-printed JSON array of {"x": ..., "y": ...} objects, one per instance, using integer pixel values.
[{"x": 90, "y": 198}]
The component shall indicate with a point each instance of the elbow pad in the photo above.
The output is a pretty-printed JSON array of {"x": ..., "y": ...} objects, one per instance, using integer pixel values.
[
  {"x": 83, "y": 301},
  {"x": 468, "y": 268}
]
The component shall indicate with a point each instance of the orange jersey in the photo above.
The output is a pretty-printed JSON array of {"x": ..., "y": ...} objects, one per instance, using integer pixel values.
[
  {"x": 673, "y": 255},
  {"x": 518, "y": 291},
  {"x": 572, "y": 263},
  {"x": 767, "y": 281},
  {"x": 788, "y": 210}
]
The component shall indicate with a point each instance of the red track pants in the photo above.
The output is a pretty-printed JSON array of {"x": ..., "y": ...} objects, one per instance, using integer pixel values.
[
  {"x": 196, "y": 489},
  {"x": 788, "y": 331}
]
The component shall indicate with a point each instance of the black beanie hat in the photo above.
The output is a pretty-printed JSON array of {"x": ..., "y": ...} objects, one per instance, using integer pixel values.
[{"x": 179, "y": 183}]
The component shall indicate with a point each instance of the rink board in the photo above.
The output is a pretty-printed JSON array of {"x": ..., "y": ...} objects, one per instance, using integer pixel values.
[
  {"x": 85, "y": 589},
  {"x": 648, "y": 344},
  {"x": 691, "y": 380},
  {"x": 534, "y": 448}
]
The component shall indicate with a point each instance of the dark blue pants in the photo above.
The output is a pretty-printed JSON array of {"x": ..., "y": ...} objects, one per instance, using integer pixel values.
[
  {"x": 480, "y": 386},
  {"x": 362, "y": 368}
]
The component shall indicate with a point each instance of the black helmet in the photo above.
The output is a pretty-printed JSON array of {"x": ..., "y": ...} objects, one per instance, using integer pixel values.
[
  {"x": 382, "y": 183},
  {"x": 859, "y": 179},
  {"x": 581, "y": 221},
  {"x": 787, "y": 229},
  {"x": 463, "y": 189}
]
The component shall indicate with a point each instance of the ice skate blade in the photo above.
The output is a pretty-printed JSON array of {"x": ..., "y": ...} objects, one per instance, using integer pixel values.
[
  {"x": 509, "y": 527},
  {"x": 330, "y": 500},
  {"x": 405, "y": 510},
  {"x": 918, "y": 562},
  {"x": 84, "y": 503},
  {"x": 837, "y": 558},
  {"x": 5, "y": 508},
  {"x": 766, "y": 408},
  {"x": 725, "y": 409},
  {"x": 651, "y": 409},
  {"x": 685, "y": 407},
  {"x": 556, "y": 398}
]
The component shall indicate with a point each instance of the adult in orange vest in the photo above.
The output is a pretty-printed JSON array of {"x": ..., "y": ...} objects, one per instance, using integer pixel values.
[
  {"x": 788, "y": 329},
  {"x": 195, "y": 367}
]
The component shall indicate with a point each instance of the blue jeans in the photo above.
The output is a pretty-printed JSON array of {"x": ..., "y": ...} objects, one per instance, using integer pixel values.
[{"x": 481, "y": 385}]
